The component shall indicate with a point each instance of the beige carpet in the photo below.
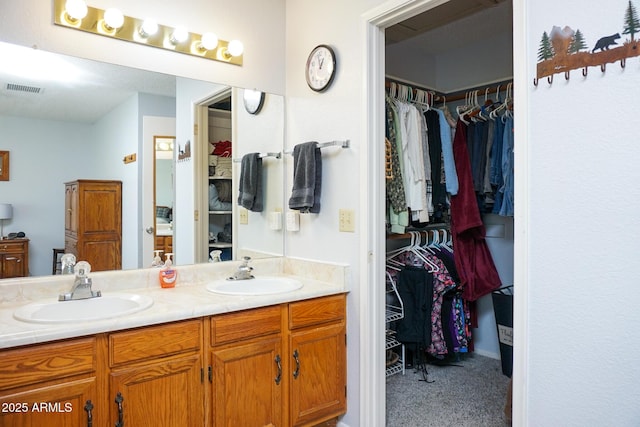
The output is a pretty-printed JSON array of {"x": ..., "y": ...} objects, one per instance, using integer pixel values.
[{"x": 472, "y": 394}]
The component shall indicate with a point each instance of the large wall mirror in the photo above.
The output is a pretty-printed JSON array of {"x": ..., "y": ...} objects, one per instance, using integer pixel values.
[{"x": 82, "y": 119}]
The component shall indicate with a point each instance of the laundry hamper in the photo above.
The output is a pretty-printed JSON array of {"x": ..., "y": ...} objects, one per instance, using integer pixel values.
[{"x": 503, "y": 311}]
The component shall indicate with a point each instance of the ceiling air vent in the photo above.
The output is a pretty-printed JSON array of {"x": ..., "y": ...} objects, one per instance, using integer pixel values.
[{"x": 23, "y": 88}]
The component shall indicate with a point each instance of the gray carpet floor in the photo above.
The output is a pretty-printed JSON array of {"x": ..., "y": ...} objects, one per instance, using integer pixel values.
[{"x": 472, "y": 395}]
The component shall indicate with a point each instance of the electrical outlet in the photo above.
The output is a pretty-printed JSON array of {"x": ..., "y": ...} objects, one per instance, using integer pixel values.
[
  {"x": 346, "y": 221},
  {"x": 244, "y": 216}
]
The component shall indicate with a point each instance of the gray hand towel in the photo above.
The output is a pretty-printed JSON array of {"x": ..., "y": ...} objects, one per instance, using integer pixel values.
[
  {"x": 250, "y": 186},
  {"x": 307, "y": 178}
]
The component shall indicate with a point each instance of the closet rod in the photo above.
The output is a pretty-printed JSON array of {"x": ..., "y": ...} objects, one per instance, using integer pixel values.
[
  {"x": 461, "y": 94},
  {"x": 388, "y": 81},
  {"x": 262, "y": 156},
  {"x": 435, "y": 227}
]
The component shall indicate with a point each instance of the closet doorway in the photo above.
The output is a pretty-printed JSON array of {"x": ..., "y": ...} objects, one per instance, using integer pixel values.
[{"x": 455, "y": 48}]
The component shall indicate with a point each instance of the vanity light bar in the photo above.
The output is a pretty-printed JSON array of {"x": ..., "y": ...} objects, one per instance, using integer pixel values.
[{"x": 165, "y": 37}]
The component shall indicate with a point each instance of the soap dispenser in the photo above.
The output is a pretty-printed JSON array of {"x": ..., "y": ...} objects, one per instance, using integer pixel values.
[
  {"x": 168, "y": 274},
  {"x": 214, "y": 256},
  {"x": 157, "y": 261}
]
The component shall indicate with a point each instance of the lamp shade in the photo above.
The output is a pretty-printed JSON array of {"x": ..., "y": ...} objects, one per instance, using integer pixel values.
[{"x": 6, "y": 211}]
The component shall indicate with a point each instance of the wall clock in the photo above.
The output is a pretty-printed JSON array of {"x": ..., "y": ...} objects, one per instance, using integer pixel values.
[
  {"x": 321, "y": 68},
  {"x": 253, "y": 100}
]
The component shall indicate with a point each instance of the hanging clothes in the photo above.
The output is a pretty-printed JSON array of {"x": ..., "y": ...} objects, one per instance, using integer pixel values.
[
  {"x": 439, "y": 191},
  {"x": 506, "y": 208},
  {"x": 430, "y": 319},
  {"x": 478, "y": 274},
  {"x": 398, "y": 216},
  {"x": 449, "y": 166}
]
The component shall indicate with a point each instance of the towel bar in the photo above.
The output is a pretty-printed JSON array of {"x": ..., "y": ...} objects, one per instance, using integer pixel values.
[
  {"x": 344, "y": 144},
  {"x": 277, "y": 155}
]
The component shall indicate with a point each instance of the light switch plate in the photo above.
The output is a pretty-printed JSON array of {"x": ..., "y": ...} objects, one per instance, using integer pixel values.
[
  {"x": 244, "y": 216},
  {"x": 346, "y": 220},
  {"x": 293, "y": 221}
]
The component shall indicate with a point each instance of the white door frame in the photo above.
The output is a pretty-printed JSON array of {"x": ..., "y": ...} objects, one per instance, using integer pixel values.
[
  {"x": 372, "y": 201},
  {"x": 151, "y": 126},
  {"x": 201, "y": 170}
]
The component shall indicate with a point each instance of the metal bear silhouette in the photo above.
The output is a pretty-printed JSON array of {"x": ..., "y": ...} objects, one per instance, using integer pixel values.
[{"x": 604, "y": 43}]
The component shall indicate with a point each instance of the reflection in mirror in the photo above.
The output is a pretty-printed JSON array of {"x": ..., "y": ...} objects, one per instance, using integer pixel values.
[
  {"x": 4, "y": 166},
  {"x": 163, "y": 194},
  {"x": 81, "y": 125}
]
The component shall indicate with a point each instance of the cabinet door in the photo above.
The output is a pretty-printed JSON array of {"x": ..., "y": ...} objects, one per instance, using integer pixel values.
[
  {"x": 49, "y": 384},
  {"x": 67, "y": 404},
  {"x": 104, "y": 254},
  {"x": 163, "y": 394},
  {"x": 247, "y": 384},
  {"x": 13, "y": 265},
  {"x": 71, "y": 209},
  {"x": 318, "y": 373}
]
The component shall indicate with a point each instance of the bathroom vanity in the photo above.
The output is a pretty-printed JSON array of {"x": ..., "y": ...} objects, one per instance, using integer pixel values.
[{"x": 194, "y": 358}]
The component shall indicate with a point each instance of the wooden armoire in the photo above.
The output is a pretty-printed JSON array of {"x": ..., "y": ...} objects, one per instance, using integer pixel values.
[{"x": 93, "y": 222}]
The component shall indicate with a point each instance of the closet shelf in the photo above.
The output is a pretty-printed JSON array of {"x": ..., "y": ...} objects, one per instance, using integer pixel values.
[
  {"x": 391, "y": 343},
  {"x": 396, "y": 368},
  {"x": 393, "y": 314}
]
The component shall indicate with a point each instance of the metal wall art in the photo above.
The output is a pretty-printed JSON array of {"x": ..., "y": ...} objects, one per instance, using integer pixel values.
[{"x": 563, "y": 49}]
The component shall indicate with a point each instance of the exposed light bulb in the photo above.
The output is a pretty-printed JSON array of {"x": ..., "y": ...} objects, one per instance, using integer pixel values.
[
  {"x": 76, "y": 9},
  {"x": 235, "y": 48},
  {"x": 148, "y": 28},
  {"x": 209, "y": 41},
  {"x": 179, "y": 35},
  {"x": 113, "y": 19}
]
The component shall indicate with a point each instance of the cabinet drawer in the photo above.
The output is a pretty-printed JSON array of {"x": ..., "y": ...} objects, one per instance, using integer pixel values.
[
  {"x": 12, "y": 248},
  {"x": 316, "y": 311},
  {"x": 154, "y": 342},
  {"x": 36, "y": 364},
  {"x": 245, "y": 324}
]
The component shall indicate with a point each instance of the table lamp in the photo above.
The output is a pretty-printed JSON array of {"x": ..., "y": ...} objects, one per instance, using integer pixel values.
[{"x": 6, "y": 212}]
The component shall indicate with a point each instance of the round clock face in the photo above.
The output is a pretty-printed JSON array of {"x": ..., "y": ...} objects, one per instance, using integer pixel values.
[
  {"x": 253, "y": 100},
  {"x": 321, "y": 68}
]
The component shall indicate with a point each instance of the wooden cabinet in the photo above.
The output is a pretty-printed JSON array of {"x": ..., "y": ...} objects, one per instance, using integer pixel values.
[
  {"x": 268, "y": 374},
  {"x": 14, "y": 258},
  {"x": 93, "y": 223},
  {"x": 247, "y": 363},
  {"x": 282, "y": 365},
  {"x": 317, "y": 345},
  {"x": 164, "y": 244},
  {"x": 53, "y": 384},
  {"x": 155, "y": 376}
]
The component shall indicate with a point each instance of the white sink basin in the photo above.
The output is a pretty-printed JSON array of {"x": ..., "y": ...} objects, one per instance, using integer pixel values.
[
  {"x": 256, "y": 286},
  {"x": 104, "y": 307}
]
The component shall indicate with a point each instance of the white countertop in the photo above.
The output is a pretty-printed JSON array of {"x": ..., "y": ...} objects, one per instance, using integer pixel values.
[{"x": 189, "y": 299}]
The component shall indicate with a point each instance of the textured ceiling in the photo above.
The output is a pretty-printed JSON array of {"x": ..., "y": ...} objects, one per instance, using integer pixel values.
[
  {"x": 91, "y": 90},
  {"x": 96, "y": 88},
  {"x": 452, "y": 24}
]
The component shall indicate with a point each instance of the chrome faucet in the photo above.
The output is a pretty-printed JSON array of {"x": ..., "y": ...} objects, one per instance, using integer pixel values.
[
  {"x": 244, "y": 271},
  {"x": 81, "y": 285}
]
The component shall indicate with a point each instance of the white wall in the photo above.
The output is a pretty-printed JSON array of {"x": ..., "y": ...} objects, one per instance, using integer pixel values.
[
  {"x": 260, "y": 133},
  {"x": 43, "y": 157},
  {"x": 582, "y": 295},
  {"x": 580, "y": 301},
  {"x": 258, "y": 24},
  {"x": 581, "y": 304},
  {"x": 188, "y": 93},
  {"x": 116, "y": 136},
  {"x": 332, "y": 115}
]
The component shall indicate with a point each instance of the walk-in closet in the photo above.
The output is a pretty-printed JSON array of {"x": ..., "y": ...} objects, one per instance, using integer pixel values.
[{"x": 449, "y": 215}]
